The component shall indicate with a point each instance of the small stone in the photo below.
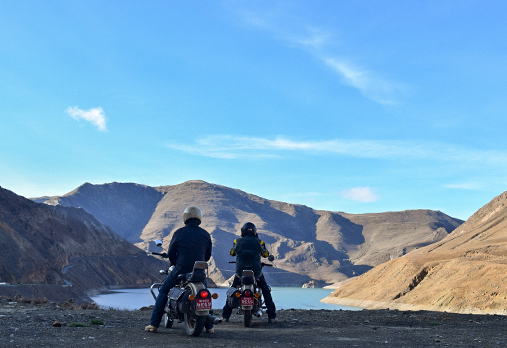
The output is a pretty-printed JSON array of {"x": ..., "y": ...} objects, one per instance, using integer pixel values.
[{"x": 57, "y": 324}]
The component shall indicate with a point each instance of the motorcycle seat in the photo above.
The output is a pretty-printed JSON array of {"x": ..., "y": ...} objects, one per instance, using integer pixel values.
[
  {"x": 247, "y": 280},
  {"x": 197, "y": 275}
]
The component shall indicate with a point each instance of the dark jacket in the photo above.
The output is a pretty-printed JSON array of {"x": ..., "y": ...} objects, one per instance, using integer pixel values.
[
  {"x": 189, "y": 244},
  {"x": 248, "y": 251}
]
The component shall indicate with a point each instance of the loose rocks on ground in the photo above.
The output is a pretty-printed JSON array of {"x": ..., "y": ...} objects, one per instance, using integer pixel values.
[{"x": 35, "y": 325}]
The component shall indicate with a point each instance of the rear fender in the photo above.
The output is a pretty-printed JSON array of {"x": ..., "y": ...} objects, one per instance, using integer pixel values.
[{"x": 195, "y": 288}]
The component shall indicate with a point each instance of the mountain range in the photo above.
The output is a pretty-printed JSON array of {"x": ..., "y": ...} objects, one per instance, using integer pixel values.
[
  {"x": 309, "y": 245},
  {"x": 464, "y": 272},
  {"x": 64, "y": 246}
]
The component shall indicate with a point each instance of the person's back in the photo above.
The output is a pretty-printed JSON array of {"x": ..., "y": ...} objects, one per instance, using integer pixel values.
[
  {"x": 189, "y": 244},
  {"x": 248, "y": 251}
]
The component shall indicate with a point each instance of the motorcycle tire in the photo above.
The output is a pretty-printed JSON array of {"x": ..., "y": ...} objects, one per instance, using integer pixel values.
[
  {"x": 247, "y": 316},
  {"x": 194, "y": 324},
  {"x": 168, "y": 322}
]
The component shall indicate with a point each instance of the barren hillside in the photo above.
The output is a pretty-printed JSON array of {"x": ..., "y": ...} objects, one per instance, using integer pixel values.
[
  {"x": 309, "y": 244},
  {"x": 464, "y": 272},
  {"x": 41, "y": 244}
]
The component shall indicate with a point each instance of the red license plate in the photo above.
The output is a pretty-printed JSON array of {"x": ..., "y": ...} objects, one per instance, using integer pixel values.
[
  {"x": 247, "y": 301},
  {"x": 203, "y": 303}
]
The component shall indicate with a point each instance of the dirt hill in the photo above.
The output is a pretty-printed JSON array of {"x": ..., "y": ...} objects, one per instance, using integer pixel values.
[
  {"x": 309, "y": 244},
  {"x": 55, "y": 245},
  {"x": 465, "y": 272}
]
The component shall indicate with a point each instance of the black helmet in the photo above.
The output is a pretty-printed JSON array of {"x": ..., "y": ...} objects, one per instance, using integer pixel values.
[{"x": 248, "y": 228}]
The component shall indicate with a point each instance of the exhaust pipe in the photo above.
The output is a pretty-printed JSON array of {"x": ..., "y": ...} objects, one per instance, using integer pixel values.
[
  {"x": 258, "y": 314},
  {"x": 211, "y": 319}
]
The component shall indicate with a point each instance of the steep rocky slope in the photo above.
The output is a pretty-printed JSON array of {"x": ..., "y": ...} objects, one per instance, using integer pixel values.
[
  {"x": 464, "y": 272},
  {"x": 58, "y": 245},
  {"x": 309, "y": 244}
]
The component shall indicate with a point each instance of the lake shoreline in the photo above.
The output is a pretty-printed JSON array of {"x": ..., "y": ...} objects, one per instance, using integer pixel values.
[{"x": 284, "y": 298}]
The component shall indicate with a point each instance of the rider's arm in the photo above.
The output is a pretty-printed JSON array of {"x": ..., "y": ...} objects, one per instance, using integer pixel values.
[
  {"x": 173, "y": 250},
  {"x": 233, "y": 249},
  {"x": 264, "y": 252},
  {"x": 208, "y": 250}
]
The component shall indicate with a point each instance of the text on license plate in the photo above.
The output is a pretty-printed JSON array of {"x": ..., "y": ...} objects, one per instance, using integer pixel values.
[
  {"x": 247, "y": 301},
  {"x": 203, "y": 303}
]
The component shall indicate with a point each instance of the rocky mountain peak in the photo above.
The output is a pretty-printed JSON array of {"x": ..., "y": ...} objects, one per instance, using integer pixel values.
[{"x": 309, "y": 244}]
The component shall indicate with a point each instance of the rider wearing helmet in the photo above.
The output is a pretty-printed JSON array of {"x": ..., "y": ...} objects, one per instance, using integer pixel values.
[
  {"x": 248, "y": 251},
  {"x": 189, "y": 244}
]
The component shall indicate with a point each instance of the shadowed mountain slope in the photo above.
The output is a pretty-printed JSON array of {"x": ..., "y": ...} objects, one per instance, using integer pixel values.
[
  {"x": 44, "y": 244},
  {"x": 464, "y": 272},
  {"x": 308, "y": 244}
]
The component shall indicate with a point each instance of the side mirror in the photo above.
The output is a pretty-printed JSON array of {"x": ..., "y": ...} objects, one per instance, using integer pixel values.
[
  {"x": 271, "y": 257},
  {"x": 158, "y": 243}
]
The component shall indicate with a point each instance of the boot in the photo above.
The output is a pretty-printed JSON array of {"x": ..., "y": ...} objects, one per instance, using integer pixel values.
[{"x": 151, "y": 328}]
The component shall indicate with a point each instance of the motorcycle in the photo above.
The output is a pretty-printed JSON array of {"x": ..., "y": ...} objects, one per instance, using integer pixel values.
[
  {"x": 189, "y": 301},
  {"x": 247, "y": 297}
]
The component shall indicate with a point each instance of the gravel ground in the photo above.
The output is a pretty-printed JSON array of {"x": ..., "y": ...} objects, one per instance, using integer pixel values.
[{"x": 24, "y": 324}]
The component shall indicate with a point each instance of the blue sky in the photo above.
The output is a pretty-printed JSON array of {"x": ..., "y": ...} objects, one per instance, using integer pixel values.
[{"x": 354, "y": 106}]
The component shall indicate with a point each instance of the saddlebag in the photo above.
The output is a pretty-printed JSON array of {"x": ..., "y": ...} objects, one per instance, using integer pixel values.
[
  {"x": 178, "y": 300},
  {"x": 232, "y": 301}
]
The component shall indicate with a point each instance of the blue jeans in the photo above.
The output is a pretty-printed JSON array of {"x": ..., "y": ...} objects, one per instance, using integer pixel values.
[
  {"x": 268, "y": 300},
  {"x": 161, "y": 301}
]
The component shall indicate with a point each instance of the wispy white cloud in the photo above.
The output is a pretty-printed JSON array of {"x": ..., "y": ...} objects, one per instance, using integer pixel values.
[
  {"x": 465, "y": 186},
  {"x": 235, "y": 147},
  {"x": 370, "y": 85},
  {"x": 360, "y": 194},
  {"x": 95, "y": 116},
  {"x": 323, "y": 45}
]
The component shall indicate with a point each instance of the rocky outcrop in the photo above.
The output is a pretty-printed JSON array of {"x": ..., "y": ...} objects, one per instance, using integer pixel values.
[
  {"x": 308, "y": 244},
  {"x": 311, "y": 284},
  {"x": 464, "y": 272},
  {"x": 42, "y": 244}
]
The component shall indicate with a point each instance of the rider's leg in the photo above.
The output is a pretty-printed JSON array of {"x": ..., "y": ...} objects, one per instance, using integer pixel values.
[
  {"x": 161, "y": 301},
  {"x": 268, "y": 300}
]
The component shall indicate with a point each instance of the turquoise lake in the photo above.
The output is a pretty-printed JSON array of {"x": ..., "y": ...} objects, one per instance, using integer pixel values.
[{"x": 284, "y": 297}]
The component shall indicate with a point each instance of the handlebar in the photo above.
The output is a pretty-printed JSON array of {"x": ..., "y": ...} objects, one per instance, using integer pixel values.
[
  {"x": 164, "y": 255},
  {"x": 262, "y": 264}
]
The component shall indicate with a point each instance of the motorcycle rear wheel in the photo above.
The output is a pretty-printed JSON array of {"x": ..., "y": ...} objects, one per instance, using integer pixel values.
[
  {"x": 168, "y": 322},
  {"x": 194, "y": 324},
  {"x": 247, "y": 315}
]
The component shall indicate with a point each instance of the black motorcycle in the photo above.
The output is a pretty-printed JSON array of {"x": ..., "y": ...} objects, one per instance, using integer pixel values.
[
  {"x": 247, "y": 297},
  {"x": 189, "y": 301}
]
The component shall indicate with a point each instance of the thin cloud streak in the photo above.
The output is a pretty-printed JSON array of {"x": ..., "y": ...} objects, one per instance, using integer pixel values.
[
  {"x": 237, "y": 147},
  {"x": 372, "y": 87},
  {"x": 465, "y": 186},
  {"x": 95, "y": 116},
  {"x": 319, "y": 42}
]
